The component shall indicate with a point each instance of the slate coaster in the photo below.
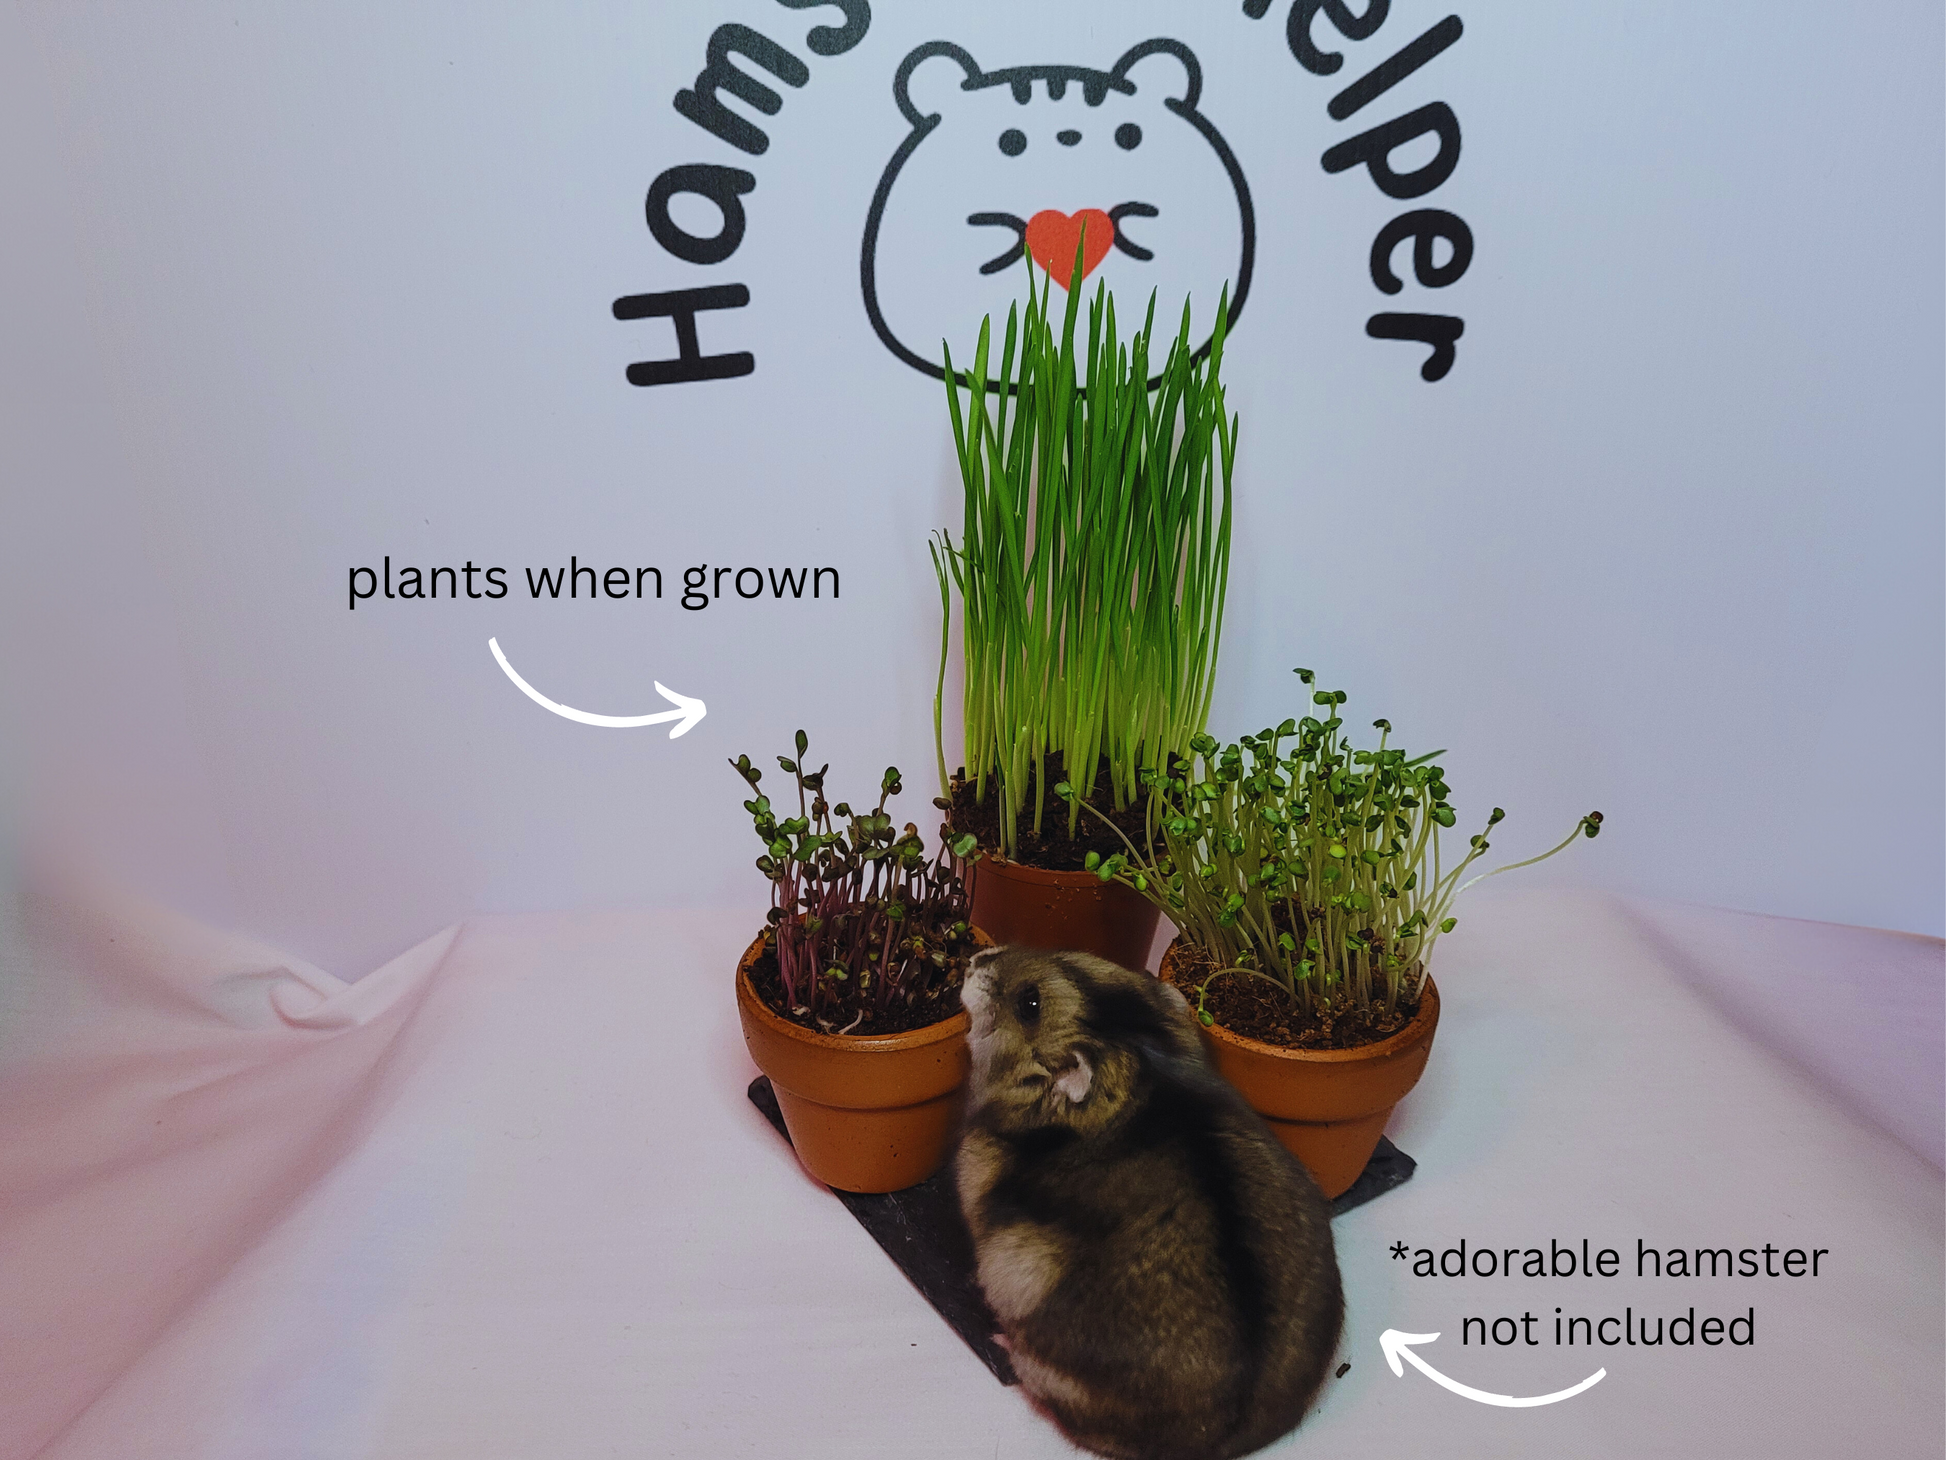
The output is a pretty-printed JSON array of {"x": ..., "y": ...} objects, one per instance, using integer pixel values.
[
  {"x": 1389, "y": 1167},
  {"x": 921, "y": 1230}
]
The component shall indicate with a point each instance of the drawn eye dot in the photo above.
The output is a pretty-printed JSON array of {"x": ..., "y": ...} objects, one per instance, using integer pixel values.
[
  {"x": 1013, "y": 141},
  {"x": 1128, "y": 136},
  {"x": 1067, "y": 138}
]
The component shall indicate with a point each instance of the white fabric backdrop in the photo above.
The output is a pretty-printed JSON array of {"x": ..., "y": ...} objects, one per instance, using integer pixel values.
[{"x": 292, "y": 290}]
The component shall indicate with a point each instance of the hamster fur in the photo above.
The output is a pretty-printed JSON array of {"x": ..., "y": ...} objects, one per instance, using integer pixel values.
[{"x": 1161, "y": 1267}]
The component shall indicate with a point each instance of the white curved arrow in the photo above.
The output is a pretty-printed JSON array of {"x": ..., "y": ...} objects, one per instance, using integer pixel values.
[
  {"x": 1397, "y": 1346},
  {"x": 687, "y": 711}
]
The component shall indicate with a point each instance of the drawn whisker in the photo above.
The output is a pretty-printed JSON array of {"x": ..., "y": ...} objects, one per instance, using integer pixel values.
[
  {"x": 1122, "y": 241},
  {"x": 1013, "y": 255}
]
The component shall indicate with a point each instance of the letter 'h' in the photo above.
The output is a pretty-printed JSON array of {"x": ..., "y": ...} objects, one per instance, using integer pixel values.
[{"x": 682, "y": 305}]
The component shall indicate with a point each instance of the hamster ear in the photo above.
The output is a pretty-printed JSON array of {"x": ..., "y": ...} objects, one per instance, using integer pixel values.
[
  {"x": 1173, "y": 996},
  {"x": 935, "y": 83},
  {"x": 1075, "y": 1081},
  {"x": 1167, "y": 68}
]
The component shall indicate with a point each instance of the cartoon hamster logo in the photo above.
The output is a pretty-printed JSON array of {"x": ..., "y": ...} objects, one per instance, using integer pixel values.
[{"x": 1033, "y": 161}]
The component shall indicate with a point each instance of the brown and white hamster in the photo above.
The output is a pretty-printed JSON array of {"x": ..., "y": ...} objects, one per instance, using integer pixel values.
[{"x": 1161, "y": 1267}]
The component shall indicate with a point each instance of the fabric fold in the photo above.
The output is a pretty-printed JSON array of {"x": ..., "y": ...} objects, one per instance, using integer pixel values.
[{"x": 167, "y": 1094}]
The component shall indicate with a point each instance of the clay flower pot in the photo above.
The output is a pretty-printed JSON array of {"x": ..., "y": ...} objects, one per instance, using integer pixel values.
[
  {"x": 1015, "y": 903},
  {"x": 1328, "y": 1106},
  {"x": 865, "y": 1112}
]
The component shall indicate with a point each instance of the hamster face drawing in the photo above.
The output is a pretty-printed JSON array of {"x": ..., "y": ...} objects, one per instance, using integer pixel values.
[{"x": 1027, "y": 162}]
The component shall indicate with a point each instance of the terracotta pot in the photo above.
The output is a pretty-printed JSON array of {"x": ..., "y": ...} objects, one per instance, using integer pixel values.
[
  {"x": 1328, "y": 1106},
  {"x": 1015, "y": 903},
  {"x": 865, "y": 1112}
]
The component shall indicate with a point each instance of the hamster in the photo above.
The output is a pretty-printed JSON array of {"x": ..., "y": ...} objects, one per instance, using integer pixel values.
[{"x": 1162, "y": 1269}]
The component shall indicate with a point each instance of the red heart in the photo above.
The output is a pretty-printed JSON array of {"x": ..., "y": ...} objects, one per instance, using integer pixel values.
[{"x": 1053, "y": 236}]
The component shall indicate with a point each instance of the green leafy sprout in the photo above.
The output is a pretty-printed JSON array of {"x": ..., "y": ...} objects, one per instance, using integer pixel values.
[
  {"x": 860, "y": 915},
  {"x": 1092, "y": 562},
  {"x": 1294, "y": 858}
]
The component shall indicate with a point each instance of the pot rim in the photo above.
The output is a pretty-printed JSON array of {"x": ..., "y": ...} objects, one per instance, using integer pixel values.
[
  {"x": 1046, "y": 876},
  {"x": 945, "y": 1029},
  {"x": 1420, "y": 1028}
]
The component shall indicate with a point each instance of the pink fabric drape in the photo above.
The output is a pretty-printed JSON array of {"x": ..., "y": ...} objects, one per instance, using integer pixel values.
[{"x": 504, "y": 1198}]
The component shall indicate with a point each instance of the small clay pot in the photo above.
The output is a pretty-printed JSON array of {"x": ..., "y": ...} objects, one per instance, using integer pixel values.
[
  {"x": 1023, "y": 905},
  {"x": 1328, "y": 1106},
  {"x": 865, "y": 1112}
]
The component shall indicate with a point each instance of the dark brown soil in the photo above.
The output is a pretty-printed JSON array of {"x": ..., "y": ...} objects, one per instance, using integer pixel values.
[
  {"x": 1256, "y": 1010},
  {"x": 1052, "y": 850},
  {"x": 943, "y": 1003}
]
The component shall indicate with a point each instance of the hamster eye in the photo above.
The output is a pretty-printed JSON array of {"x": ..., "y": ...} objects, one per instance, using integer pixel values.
[
  {"x": 1027, "y": 1004},
  {"x": 1013, "y": 141},
  {"x": 1128, "y": 136}
]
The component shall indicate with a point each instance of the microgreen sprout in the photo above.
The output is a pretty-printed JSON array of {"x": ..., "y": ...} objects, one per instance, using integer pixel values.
[
  {"x": 861, "y": 917},
  {"x": 1093, "y": 558},
  {"x": 1292, "y": 857}
]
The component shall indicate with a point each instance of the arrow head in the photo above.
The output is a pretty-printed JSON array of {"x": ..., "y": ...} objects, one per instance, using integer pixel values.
[
  {"x": 692, "y": 710},
  {"x": 1394, "y": 1342}
]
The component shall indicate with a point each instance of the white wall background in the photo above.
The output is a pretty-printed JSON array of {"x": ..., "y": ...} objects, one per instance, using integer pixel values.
[{"x": 291, "y": 289}]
